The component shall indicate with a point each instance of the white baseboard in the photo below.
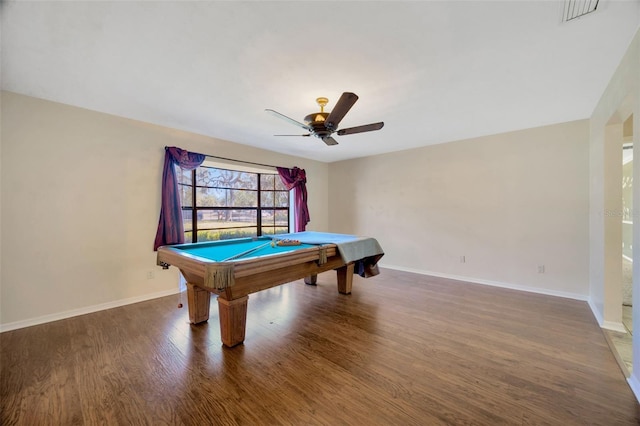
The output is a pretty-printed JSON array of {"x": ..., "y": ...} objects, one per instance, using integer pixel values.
[
  {"x": 596, "y": 313},
  {"x": 82, "y": 311},
  {"x": 634, "y": 384},
  {"x": 511, "y": 286},
  {"x": 609, "y": 325},
  {"x": 613, "y": 326}
]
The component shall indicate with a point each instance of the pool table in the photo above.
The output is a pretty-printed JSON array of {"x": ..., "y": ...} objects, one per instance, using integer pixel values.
[{"x": 233, "y": 269}]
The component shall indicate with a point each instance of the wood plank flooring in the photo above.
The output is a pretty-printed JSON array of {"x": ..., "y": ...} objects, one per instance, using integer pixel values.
[{"x": 402, "y": 349}]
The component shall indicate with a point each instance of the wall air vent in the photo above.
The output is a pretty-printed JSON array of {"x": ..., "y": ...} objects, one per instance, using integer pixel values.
[{"x": 576, "y": 8}]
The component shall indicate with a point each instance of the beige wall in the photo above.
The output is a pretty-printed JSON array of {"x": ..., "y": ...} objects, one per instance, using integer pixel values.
[
  {"x": 620, "y": 100},
  {"x": 509, "y": 203},
  {"x": 80, "y": 203}
]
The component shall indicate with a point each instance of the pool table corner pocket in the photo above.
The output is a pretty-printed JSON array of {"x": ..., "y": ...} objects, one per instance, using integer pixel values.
[{"x": 311, "y": 279}]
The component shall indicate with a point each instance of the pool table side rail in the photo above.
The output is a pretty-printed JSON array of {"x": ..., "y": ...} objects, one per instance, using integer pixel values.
[
  {"x": 288, "y": 265},
  {"x": 263, "y": 280}
]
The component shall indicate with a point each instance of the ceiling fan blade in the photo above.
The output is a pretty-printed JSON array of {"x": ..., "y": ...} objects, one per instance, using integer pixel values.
[
  {"x": 342, "y": 107},
  {"x": 307, "y": 134},
  {"x": 290, "y": 120},
  {"x": 329, "y": 140},
  {"x": 360, "y": 129}
]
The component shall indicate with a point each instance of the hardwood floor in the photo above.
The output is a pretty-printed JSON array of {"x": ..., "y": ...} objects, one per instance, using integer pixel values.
[{"x": 403, "y": 349}]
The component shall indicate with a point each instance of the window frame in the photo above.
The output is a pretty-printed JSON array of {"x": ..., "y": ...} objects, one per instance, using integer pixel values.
[{"x": 258, "y": 225}]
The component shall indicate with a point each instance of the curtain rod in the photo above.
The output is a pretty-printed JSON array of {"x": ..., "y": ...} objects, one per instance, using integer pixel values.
[{"x": 240, "y": 161}]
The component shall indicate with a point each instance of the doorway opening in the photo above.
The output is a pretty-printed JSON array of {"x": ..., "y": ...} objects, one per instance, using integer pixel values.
[
  {"x": 621, "y": 339},
  {"x": 627, "y": 241},
  {"x": 627, "y": 236}
]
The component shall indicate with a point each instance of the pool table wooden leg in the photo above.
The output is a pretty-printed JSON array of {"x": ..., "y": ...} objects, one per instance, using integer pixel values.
[
  {"x": 198, "y": 301},
  {"x": 345, "y": 278},
  {"x": 233, "y": 320}
]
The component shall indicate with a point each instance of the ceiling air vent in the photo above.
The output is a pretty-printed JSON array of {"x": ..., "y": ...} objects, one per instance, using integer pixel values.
[{"x": 576, "y": 8}]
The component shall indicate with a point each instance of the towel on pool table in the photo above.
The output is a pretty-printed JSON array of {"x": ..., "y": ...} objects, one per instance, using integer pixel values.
[{"x": 364, "y": 251}]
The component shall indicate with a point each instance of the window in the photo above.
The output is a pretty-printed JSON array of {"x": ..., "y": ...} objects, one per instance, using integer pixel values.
[{"x": 227, "y": 203}]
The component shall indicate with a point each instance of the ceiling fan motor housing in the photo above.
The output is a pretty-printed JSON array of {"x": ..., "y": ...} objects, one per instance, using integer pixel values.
[{"x": 319, "y": 129}]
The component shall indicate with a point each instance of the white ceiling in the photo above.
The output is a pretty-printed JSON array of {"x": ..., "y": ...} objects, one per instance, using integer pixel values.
[{"x": 432, "y": 71}]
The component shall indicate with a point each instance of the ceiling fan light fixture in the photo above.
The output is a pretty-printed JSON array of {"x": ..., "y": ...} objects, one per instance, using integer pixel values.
[{"x": 316, "y": 117}]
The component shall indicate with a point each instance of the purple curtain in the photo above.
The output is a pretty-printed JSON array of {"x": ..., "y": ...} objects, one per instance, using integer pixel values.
[
  {"x": 170, "y": 227},
  {"x": 297, "y": 178}
]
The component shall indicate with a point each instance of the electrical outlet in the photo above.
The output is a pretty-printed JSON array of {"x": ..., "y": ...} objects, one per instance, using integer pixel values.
[
  {"x": 541, "y": 269},
  {"x": 151, "y": 275}
]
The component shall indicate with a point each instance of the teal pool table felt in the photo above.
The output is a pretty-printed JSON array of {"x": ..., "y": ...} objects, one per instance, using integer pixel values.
[{"x": 218, "y": 251}]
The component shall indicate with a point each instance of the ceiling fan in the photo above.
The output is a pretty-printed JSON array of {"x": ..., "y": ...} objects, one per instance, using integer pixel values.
[{"x": 323, "y": 124}]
